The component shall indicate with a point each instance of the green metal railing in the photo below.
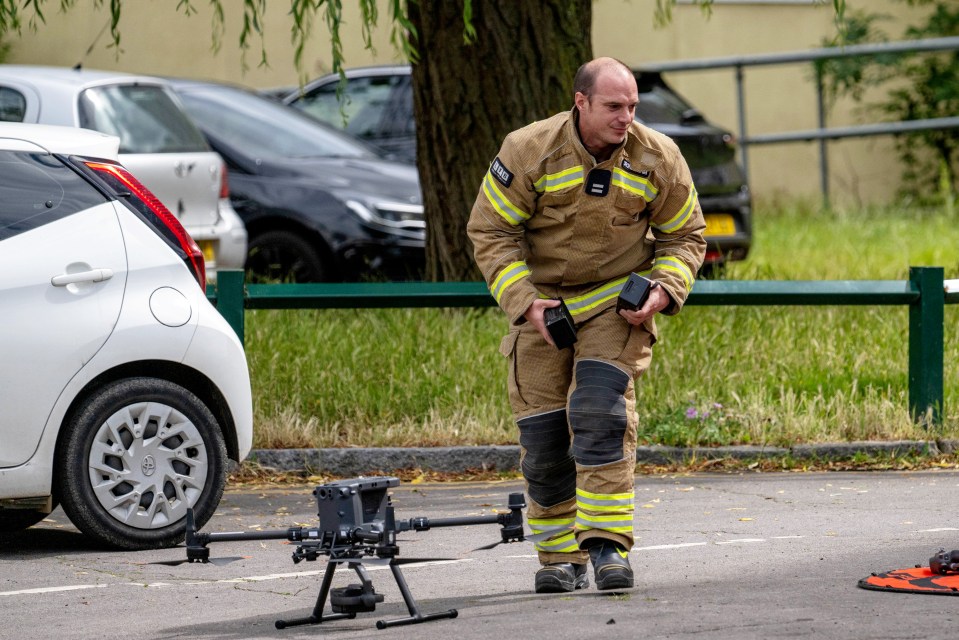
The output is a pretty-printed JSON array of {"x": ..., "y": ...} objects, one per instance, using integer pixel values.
[{"x": 923, "y": 293}]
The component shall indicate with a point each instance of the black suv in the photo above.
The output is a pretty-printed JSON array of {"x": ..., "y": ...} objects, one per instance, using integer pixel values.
[{"x": 380, "y": 111}]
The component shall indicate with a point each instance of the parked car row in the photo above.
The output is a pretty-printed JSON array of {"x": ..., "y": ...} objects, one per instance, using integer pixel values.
[{"x": 303, "y": 201}]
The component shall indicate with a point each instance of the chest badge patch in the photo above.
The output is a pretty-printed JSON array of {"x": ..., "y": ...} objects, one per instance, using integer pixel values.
[
  {"x": 597, "y": 182},
  {"x": 501, "y": 173}
]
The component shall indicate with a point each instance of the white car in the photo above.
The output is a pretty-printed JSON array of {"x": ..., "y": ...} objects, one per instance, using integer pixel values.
[
  {"x": 159, "y": 144},
  {"x": 124, "y": 392}
]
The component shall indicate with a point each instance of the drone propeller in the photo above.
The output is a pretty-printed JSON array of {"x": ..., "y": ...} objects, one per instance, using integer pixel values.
[
  {"x": 531, "y": 537},
  {"x": 423, "y": 560},
  {"x": 378, "y": 561},
  {"x": 215, "y": 561},
  {"x": 489, "y": 546}
]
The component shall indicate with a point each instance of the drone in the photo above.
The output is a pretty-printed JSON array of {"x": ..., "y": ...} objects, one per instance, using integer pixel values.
[{"x": 358, "y": 526}]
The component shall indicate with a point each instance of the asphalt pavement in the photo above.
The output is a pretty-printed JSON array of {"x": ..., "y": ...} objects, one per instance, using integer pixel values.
[{"x": 750, "y": 555}]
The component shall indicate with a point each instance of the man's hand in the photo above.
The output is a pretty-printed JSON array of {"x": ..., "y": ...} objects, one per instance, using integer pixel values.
[
  {"x": 534, "y": 315},
  {"x": 657, "y": 301}
]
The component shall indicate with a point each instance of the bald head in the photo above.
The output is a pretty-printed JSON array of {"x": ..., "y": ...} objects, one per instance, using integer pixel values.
[
  {"x": 589, "y": 73},
  {"x": 605, "y": 100}
]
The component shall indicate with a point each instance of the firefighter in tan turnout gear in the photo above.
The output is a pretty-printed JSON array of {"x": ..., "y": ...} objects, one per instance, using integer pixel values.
[{"x": 570, "y": 207}]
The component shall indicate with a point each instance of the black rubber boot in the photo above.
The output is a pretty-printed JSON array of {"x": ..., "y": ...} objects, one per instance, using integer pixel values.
[
  {"x": 561, "y": 577},
  {"x": 611, "y": 566}
]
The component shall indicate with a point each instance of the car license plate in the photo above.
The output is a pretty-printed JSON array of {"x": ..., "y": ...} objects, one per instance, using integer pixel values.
[
  {"x": 719, "y": 224},
  {"x": 206, "y": 246}
]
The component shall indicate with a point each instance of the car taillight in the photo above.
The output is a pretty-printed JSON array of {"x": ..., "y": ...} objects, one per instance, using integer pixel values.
[
  {"x": 224, "y": 182},
  {"x": 147, "y": 203}
]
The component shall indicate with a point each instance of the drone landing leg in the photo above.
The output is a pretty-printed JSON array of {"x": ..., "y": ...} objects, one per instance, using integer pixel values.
[
  {"x": 317, "y": 616},
  {"x": 415, "y": 616}
]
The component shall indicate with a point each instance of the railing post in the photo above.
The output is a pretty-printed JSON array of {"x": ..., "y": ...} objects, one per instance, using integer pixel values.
[
  {"x": 926, "y": 318},
  {"x": 741, "y": 104},
  {"x": 823, "y": 149},
  {"x": 229, "y": 298}
]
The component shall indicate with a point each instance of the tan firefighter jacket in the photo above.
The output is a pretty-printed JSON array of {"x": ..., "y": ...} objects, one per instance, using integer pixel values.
[{"x": 550, "y": 222}]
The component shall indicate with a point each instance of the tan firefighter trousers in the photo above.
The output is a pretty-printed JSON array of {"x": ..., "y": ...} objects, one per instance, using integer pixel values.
[{"x": 575, "y": 409}]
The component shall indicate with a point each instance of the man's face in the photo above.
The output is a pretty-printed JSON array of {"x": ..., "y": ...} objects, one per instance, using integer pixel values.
[{"x": 605, "y": 116}]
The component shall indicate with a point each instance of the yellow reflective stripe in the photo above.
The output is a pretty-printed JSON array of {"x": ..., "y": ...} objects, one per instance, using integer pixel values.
[
  {"x": 605, "y": 496},
  {"x": 562, "y": 180},
  {"x": 564, "y": 540},
  {"x": 503, "y": 206},
  {"x": 617, "y": 507},
  {"x": 682, "y": 216},
  {"x": 596, "y": 297},
  {"x": 513, "y": 272},
  {"x": 563, "y": 544},
  {"x": 615, "y": 523},
  {"x": 635, "y": 184},
  {"x": 677, "y": 266},
  {"x": 618, "y": 502},
  {"x": 556, "y": 529}
]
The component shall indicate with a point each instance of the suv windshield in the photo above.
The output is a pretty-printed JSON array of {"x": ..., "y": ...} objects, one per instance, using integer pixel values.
[
  {"x": 271, "y": 129},
  {"x": 656, "y": 104},
  {"x": 144, "y": 117}
]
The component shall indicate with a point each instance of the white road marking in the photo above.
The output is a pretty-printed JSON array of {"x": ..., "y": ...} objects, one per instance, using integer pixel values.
[
  {"x": 664, "y": 547},
  {"x": 73, "y": 587},
  {"x": 686, "y": 545}
]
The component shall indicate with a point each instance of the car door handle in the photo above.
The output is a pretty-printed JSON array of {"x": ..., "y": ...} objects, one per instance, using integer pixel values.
[{"x": 93, "y": 275}]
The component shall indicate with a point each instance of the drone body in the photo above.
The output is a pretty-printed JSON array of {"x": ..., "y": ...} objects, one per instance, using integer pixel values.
[{"x": 357, "y": 526}]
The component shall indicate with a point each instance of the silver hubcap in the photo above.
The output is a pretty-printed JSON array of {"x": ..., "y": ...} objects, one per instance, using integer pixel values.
[{"x": 148, "y": 465}]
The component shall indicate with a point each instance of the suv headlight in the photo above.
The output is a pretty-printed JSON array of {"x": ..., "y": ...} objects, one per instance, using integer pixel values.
[{"x": 398, "y": 218}]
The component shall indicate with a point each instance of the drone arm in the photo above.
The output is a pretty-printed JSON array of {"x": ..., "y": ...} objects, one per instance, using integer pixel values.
[
  {"x": 425, "y": 524},
  {"x": 293, "y": 534},
  {"x": 511, "y": 521}
]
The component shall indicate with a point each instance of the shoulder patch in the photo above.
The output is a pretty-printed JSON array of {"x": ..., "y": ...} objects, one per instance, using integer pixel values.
[
  {"x": 501, "y": 173},
  {"x": 643, "y": 173}
]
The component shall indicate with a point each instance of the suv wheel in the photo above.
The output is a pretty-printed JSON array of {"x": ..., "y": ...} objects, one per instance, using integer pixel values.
[
  {"x": 284, "y": 256},
  {"x": 137, "y": 455}
]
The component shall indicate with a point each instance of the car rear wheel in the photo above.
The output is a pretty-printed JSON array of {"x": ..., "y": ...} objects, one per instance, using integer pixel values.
[
  {"x": 137, "y": 455},
  {"x": 284, "y": 256}
]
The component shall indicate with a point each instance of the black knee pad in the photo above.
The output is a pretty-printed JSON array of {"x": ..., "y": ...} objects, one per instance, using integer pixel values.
[
  {"x": 597, "y": 412},
  {"x": 547, "y": 465}
]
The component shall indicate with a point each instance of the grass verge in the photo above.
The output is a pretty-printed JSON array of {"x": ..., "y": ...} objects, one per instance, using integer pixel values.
[{"x": 720, "y": 375}]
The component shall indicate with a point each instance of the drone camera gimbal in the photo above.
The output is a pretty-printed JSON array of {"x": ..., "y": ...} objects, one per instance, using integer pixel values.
[{"x": 357, "y": 525}]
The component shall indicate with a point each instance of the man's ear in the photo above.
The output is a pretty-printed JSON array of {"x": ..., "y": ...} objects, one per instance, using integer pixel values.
[{"x": 580, "y": 100}]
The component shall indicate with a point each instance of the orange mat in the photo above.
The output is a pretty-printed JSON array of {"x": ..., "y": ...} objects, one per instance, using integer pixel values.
[{"x": 915, "y": 580}]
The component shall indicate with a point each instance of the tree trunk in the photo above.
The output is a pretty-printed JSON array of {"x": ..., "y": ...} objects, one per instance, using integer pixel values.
[{"x": 467, "y": 97}]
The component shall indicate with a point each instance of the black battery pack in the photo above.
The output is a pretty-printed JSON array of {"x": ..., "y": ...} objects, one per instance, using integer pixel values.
[
  {"x": 634, "y": 294},
  {"x": 559, "y": 323}
]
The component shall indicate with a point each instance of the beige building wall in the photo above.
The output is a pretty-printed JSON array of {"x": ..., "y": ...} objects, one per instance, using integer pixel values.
[
  {"x": 778, "y": 98},
  {"x": 156, "y": 39}
]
